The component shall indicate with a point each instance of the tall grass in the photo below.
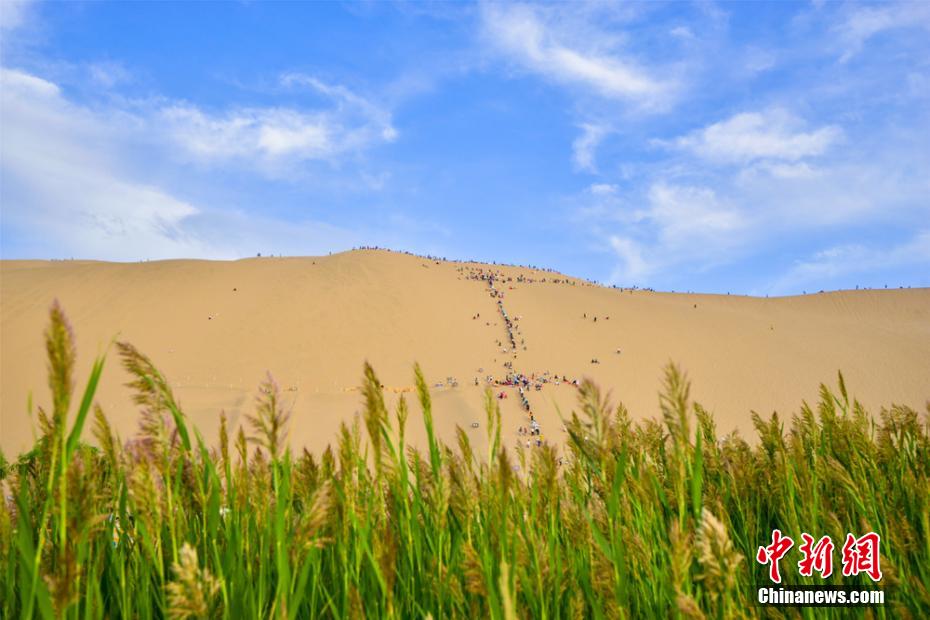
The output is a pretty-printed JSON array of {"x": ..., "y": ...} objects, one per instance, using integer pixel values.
[{"x": 656, "y": 519}]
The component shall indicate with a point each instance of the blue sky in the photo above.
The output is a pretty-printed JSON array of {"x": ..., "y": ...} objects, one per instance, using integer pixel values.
[{"x": 747, "y": 147}]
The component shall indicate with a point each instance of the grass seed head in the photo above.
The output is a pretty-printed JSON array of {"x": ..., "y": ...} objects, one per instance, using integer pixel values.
[{"x": 192, "y": 593}]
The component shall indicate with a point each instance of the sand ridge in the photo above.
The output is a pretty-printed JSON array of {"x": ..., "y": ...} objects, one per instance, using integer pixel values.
[{"x": 214, "y": 328}]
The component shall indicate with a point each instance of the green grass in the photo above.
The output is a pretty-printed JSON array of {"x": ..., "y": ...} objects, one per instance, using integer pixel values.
[{"x": 659, "y": 519}]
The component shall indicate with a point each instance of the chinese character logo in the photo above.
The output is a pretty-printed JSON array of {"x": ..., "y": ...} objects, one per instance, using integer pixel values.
[
  {"x": 860, "y": 555},
  {"x": 817, "y": 557},
  {"x": 773, "y": 553}
]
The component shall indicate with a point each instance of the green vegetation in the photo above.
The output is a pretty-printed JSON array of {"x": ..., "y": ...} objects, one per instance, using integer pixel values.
[{"x": 659, "y": 519}]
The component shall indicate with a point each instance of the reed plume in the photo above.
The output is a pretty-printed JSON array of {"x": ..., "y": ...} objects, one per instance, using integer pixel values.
[{"x": 193, "y": 591}]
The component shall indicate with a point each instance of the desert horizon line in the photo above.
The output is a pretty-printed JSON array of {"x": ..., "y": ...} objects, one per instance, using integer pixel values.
[{"x": 373, "y": 248}]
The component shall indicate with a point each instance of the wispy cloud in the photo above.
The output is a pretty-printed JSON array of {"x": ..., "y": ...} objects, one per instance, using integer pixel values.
[
  {"x": 276, "y": 139},
  {"x": 687, "y": 215},
  {"x": 756, "y": 60},
  {"x": 61, "y": 181},
  {"x": 809, "y": 148},
  {"x": 583, "y": 50},
  {"x": 14, "y": 13},
  {"x": 71, "y": 177},
  {"x": 584, "y": 148},
  {"x": 602, "y": 189},
  {"x": 106, "y": 75},
  {"x": 539, "y": 39},
  {"x": 830, "y": 266},
  {"x": 681, "y": 226},
  {"x": 751, "y": 136},
  {"x": 697, "y": 217},
  {"x": 863, "y": 23},
  {"x": 346, "y": 99},
  {"x": 632, "y": 264}
]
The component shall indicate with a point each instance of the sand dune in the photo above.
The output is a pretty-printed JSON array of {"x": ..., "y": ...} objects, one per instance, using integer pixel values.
[{"x": 215, "y": 328}]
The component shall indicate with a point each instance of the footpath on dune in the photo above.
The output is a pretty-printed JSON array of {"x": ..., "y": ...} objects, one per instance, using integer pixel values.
[{"x": 524, "y": 382}]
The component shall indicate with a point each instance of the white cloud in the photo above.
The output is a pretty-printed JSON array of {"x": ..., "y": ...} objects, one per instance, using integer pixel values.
[
  {"x": 582, "y": 47},
  {"x": 259, "y": 134},
  {"x": 756, "y": 60},
  {"x": 719, "y": 219},
  {"x": 18, "y": 85},
  {"x": 59, "y": 179},
  {"x": 800, "y": 170},
  {"x": 13, "y": 14},
  {"x": 865, "y": 22},
  {"x": 347, "y": 99},
  {"x": 74, "y": 185},
  {"x": 584, "y": 147},
  {"x": 682, "y": 32},
  {"x": 681, "y": 226},
  {"x": 278, "y": 139},
  {"x": 632, "y": 264},
  {"x": 824, "y": 153},
  {"x": 602, "y": 189},
  {"x": 751, "y": 136},
  {"x": 688, "y": 215},
  {"x": 108, "y": 74},
  {"x": 854, "y": 259},
  {"x": 539, "y": 40}
]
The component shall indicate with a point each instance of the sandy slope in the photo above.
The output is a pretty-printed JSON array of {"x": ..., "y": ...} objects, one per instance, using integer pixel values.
[{"x": 214, "y": 328}]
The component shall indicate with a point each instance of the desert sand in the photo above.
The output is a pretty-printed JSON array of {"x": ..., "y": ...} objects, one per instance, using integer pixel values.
[{"x": 215, "y": 329}]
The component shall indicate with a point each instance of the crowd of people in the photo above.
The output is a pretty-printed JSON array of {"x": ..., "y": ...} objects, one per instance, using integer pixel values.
[
  {"x": 530, "y": 432},
  {"x": 485, "y": 275},
  {"x": 443, "y": 259}
]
